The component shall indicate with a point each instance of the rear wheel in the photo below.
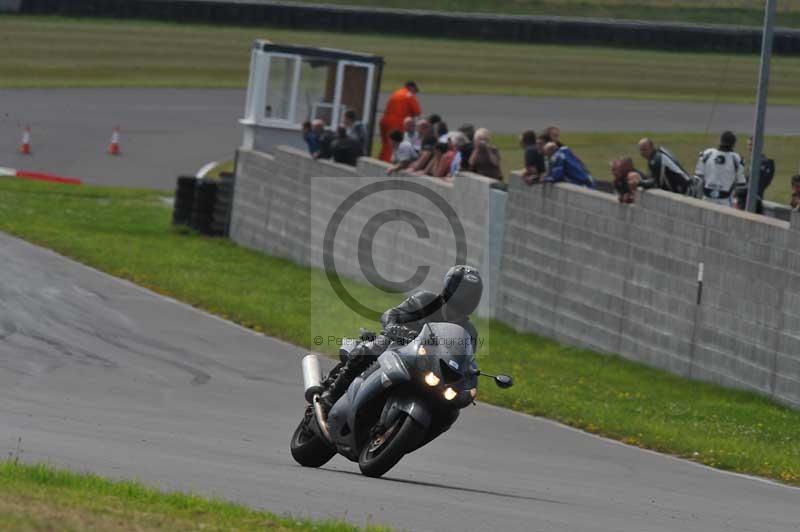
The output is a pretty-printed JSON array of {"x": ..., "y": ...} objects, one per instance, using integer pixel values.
[
  {"x": 309, "y": 449},
  {"x": 388, "y": 445}
]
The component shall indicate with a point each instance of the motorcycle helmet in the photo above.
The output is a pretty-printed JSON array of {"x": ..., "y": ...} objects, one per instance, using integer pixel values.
[{"x": 462, "y": 291}]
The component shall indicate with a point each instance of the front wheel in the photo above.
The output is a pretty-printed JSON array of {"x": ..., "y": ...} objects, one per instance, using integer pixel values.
[
  {"x": 387, "y": 447},
  {"x": 309, "y": 449}
]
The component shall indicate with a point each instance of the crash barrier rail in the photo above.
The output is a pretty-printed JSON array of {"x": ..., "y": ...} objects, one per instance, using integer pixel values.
[
  {"x": 204, "y": 204},
  {"x": 520, "y": 28},
  {"x": 700, "y": 290}
]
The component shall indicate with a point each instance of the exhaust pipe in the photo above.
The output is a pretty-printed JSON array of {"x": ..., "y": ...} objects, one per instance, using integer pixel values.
[{"x": 312, "y": 377}]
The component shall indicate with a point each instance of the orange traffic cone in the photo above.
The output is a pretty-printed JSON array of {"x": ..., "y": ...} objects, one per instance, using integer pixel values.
[
  {"x": 25, "y": 146},
  {"x": 113, "y": 148}
]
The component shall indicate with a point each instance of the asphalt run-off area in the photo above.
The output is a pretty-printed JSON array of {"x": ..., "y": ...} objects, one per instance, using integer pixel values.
[{"x": 169, "y": 132}]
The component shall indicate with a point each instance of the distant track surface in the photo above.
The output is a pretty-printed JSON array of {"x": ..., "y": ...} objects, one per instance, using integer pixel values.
[
  {"x": 97, "y": 374},
  {"x": 168, "y": 132}
]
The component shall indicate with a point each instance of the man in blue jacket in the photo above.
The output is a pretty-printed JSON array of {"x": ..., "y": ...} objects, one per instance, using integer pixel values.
[{"x": 565, "y": 166}]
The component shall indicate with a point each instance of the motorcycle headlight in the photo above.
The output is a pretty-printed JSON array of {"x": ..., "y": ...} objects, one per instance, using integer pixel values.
[
  {"x": 421, "y": 351},
  {"x": 450, "y": 394},
  {"x": 431, "y": 379}
]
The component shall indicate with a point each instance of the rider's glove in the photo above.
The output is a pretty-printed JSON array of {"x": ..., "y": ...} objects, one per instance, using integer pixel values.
[
  {"x": 367, "y": 335},
  {"x": 399, "y": 333}
]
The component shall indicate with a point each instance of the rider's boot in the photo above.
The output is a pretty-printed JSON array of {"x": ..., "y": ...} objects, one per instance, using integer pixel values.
[
  {"x": 360, "y": 359},
  {"x": 335, "y": 390}
]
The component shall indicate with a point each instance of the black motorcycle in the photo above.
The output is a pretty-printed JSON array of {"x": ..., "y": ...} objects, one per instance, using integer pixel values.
[{"x": 411, "y": 395}]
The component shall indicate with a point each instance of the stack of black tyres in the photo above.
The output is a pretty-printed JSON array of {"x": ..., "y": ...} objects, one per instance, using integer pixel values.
[
  {"x": 184, "y": 200},
  {"x": 204, "y": 204},
  {"x": 205, "y": 196},
  {"x": 221, "y": 217}
]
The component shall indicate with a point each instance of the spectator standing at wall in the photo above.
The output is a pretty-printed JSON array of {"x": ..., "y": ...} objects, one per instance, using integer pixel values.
[
  {"x": 458, "y": 140},
  {"x": 566, "y": 166},
  {"x": 402, "y": 103},
  {"x": 765, "y": 175},
  {"x": 466, "y": 150},
  {"x": 444, "y": 162},
  {"x": 535, "y": 167},
  {"x": 666, "y": 172},
  {"x": 627, "y": 179},
  {"x": 346, "y": 149},
  {"x": 795, "y": 201},
  {"x": 541, "y": 142},
  {"x": 326, "y": 138},
  {"x": 435, "y": 164},
  {"x": 552, "y": 134},
  {"x": 310, "y": 138},
  {"x": 356, "y": 129},
  {"x": 426, "y": 149},
  {"x": 403, "y": 153},
  {"x": 410, "y": 133},
  {"x": 440, "y": 131},
  {"x": 722, "y": 170},
  {"x": 485, "y": 158},
  {"x": 318, "y": 139}
]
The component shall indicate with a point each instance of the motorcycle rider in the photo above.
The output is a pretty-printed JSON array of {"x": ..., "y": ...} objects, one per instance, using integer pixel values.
[
  {"x": 666, "y": 171},
  {"x": 722, "y": 170},
  {"x": 459, "y": 298}
]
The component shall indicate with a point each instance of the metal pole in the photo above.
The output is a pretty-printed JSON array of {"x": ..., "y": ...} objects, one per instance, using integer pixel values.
[{"x": 761, "y": 107}]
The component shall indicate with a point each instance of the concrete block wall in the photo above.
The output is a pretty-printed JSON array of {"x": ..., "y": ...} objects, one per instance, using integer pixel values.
[
  {"x": 582, "y": 268},
  {"x": 284, "y": 201},
  {"x": 562, "y": 261},
  {"x": 777, "y": 210}
]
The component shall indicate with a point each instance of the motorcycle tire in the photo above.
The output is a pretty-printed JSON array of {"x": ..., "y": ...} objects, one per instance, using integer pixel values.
[
  {"x": 308, "y": 448},
  {"x": 406, "y": 435}
]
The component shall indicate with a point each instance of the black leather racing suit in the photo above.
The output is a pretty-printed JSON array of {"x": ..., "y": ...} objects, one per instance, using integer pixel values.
[{"x": 402, "y": 323}]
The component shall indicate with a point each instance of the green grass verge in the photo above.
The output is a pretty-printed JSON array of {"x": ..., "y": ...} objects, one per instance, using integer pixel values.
[
  {"x": 60, "y": 52},
  {"x": 40, "y": 497},
  {"x": 746, "y": 12},
  {"x": 127, "y": 233}
]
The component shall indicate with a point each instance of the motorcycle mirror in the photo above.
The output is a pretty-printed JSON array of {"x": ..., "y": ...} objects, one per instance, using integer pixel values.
[{"x": 503, "y": 381}]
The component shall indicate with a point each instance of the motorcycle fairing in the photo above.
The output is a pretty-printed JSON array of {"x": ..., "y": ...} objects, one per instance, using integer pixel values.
[
  {"x": 343, "y": 417},
  {"x": 414, "y": 407}
]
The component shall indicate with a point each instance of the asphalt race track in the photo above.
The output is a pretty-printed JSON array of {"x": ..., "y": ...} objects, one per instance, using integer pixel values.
[
  {"x": 168, "y": 132},
  {"x": 97, "y": 374}
]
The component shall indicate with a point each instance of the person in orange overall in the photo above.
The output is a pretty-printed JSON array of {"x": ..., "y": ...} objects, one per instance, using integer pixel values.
[{"x": 402, "y": 103}]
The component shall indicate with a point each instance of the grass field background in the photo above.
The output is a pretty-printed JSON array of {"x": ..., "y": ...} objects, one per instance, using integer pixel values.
[
  {"x": 58, "y": 52},
  {"x": 127, "y": 233},
  {"x": 746, "y": 12}
]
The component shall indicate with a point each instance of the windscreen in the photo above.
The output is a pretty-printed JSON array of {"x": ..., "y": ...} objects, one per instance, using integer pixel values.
[{"x": 446, "y": 340}]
